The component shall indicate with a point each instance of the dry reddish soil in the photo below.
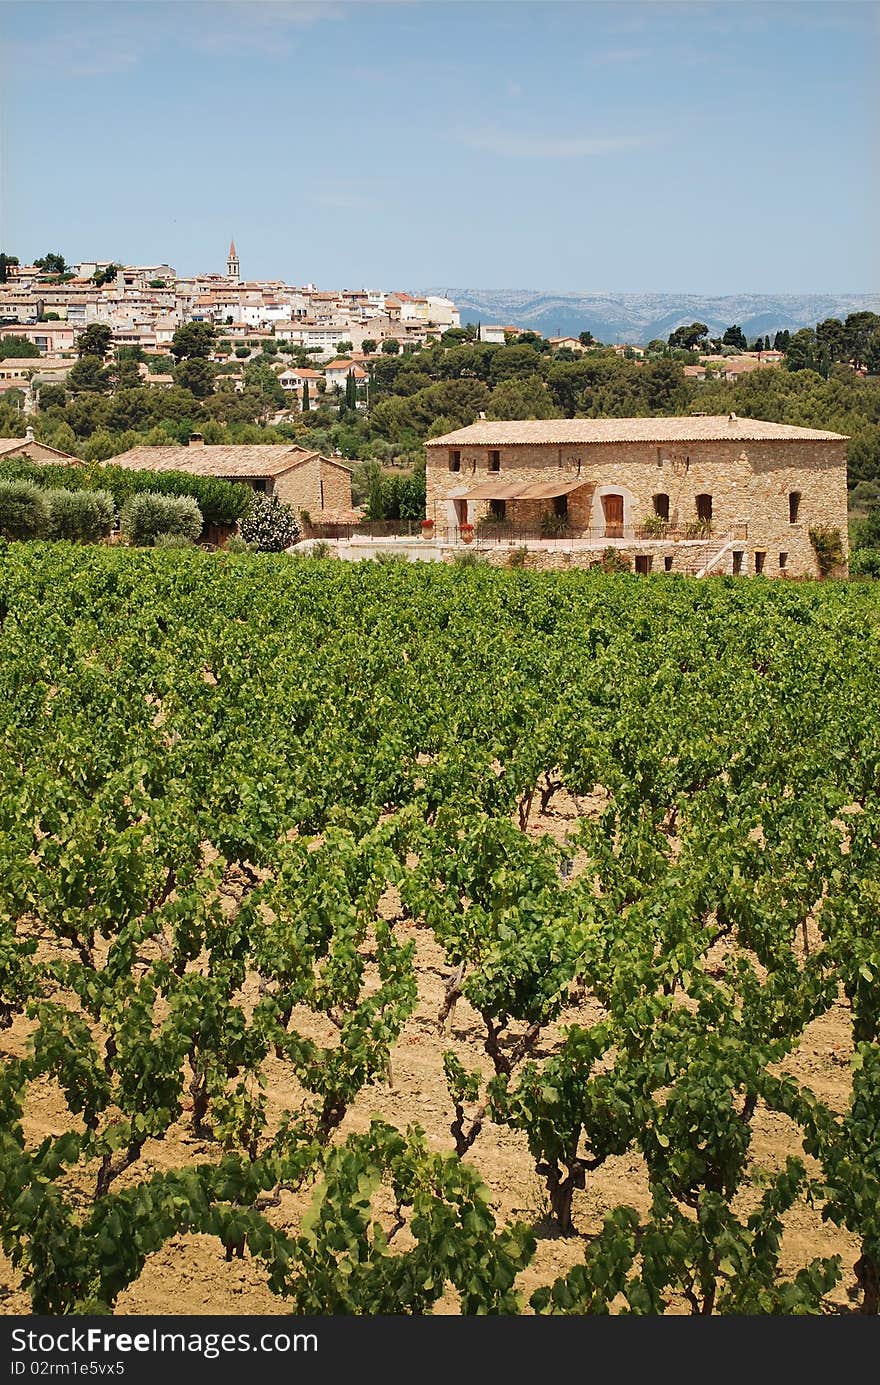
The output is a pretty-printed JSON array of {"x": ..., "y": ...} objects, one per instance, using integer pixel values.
[{"x": 190, "y": 1275}]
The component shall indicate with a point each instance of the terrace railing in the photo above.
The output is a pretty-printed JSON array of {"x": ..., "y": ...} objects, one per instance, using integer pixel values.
[{"x": 488, "y": 532}]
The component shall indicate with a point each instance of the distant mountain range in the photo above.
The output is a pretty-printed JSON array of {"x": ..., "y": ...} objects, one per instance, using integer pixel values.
[{"x": 641, "y": 317}]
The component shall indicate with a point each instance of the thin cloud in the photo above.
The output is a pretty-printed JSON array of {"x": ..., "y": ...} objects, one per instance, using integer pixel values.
[
  {"x": 614, "y": 56},
  {"x": 516, "y": 146},
  {"x": 343, "y": 194}
]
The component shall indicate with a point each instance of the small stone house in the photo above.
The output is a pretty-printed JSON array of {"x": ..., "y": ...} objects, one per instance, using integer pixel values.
[
  {"x": 32, "y": 450},
  {"x": 319, "y": 486},
  {"x": 707, "y": 493}
]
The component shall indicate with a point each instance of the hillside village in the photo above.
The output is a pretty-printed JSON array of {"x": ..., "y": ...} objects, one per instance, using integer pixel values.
[{"x": 144, "y": 305}]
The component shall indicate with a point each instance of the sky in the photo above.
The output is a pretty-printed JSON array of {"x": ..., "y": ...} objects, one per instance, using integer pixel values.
[{"x": 716, "y": 147}]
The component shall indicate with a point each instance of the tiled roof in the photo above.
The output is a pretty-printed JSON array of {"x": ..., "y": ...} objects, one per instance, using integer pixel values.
[
  {"x": 568, "y": 431},
  {"x": 9, "y": 446},
  {"x": 245, "y": 460}
]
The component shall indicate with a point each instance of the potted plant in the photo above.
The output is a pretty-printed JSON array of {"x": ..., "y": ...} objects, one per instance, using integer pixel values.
[
  {"x": 467, "y": 532},
  {"x": 427, "y": 528}
]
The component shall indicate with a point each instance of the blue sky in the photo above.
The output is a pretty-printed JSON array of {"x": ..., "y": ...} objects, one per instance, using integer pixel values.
[{"x": 689, "y": 147}]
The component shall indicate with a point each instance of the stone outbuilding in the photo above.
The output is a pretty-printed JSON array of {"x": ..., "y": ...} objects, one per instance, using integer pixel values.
[
  {"x": 735, "y": 495},
  {"x": 32, "y": 450},
  {"x": 317, "y": 486}
]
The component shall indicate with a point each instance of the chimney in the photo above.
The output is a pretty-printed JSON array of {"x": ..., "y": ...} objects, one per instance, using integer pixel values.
[
  {"x": 196, "y": 440},
  {"x": 29, "y": 434}
]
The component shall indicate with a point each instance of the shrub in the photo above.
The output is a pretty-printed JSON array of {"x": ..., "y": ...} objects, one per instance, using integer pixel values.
[
  {"x": 236, "y": 544},
  {"x": 269, "y": 525},
  {"x": 24, "y": 513},
  {"x": 518, "y": 557},
  {"x": 80, "y": 516},
  {"x": 611, "y": 561},
  {"x": 147, "y": 515},
  {"x": 827, "y": 547},
  {"x": 865, "y": 562},
  {"x": 172, "y": 541}
]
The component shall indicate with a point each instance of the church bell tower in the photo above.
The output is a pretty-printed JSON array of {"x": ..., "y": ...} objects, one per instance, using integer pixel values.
[{"x": 232, "y": 270}]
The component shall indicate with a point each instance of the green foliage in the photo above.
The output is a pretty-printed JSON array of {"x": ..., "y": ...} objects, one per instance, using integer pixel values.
[
  {"x": 346, "y": 1260},
  {"x": 88, "y": 374},
  {"x": 17, "y": 347},
  {"x": 52, "y": 264},
  {"x": 394, "y": 495},
  {"x": 80, "y": 516},
  {"x": 828, "y": 548},
  {"x": 692, "y": 338},
  {"x": 194, "y": 340},
  {"x": 24, "y": 512},
  {"x": 148, "y": 514},
  {"x": 196, "y": 375},
  {"x": 865, "y": 562},
  {"x": 95, "y": 340},
  {"x": 236, "y": 544}
]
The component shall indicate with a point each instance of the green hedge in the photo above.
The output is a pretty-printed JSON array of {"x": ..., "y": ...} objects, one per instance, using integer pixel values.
[
  {"x": 24, "y": 511},
  {"x": 148, "y": 515},
  {"x": 221, "y": 502},
  {"x": 80, "y": 516}
]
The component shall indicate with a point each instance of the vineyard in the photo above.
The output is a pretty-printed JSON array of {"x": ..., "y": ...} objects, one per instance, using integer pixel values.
[{"x": 390, "y": 939}]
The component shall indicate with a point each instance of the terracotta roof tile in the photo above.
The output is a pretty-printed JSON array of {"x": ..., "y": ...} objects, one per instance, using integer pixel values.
[
  {"x": 569, "y": 431},
  {"x": 250, "y": 461}
]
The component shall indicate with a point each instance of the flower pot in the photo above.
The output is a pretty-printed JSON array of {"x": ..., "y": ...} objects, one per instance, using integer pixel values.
[
  {"x": 428, "y": 529},
  {"x": 467, "y": 535}
]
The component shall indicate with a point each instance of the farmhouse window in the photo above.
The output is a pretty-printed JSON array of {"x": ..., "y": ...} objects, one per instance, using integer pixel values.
[
  {"x": 661, "y": 506},
  {"x": 704, "y": 507},
  {"x": 783, "y": 561},
  {"x": 494, "y": 461},
  {"x": 455, "y": 461},
  {"x": 737, "y": 562},
  {"x": 667, "y": 564},
  {"x": 498, "y": 509},
  {"x": 560, "y": 506},
  {"x": 643, "y": 563},
  {"x": 794, "y": 505},
  {"x": 760, "y": 559}
]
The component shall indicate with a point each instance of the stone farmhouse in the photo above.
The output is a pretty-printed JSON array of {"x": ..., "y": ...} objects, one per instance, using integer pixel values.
[
  {"x": 319, "y": 486},
  {"x": 697, "y": 494}
]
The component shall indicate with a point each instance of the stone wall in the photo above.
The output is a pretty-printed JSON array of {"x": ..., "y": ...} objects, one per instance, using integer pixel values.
[
  {"x": 317, "y": 485},
  {"x": 750, "y": 484}
]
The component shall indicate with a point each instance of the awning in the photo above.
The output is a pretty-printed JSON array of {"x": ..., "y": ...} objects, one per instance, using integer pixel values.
[{"x": 523, "y": 490}]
